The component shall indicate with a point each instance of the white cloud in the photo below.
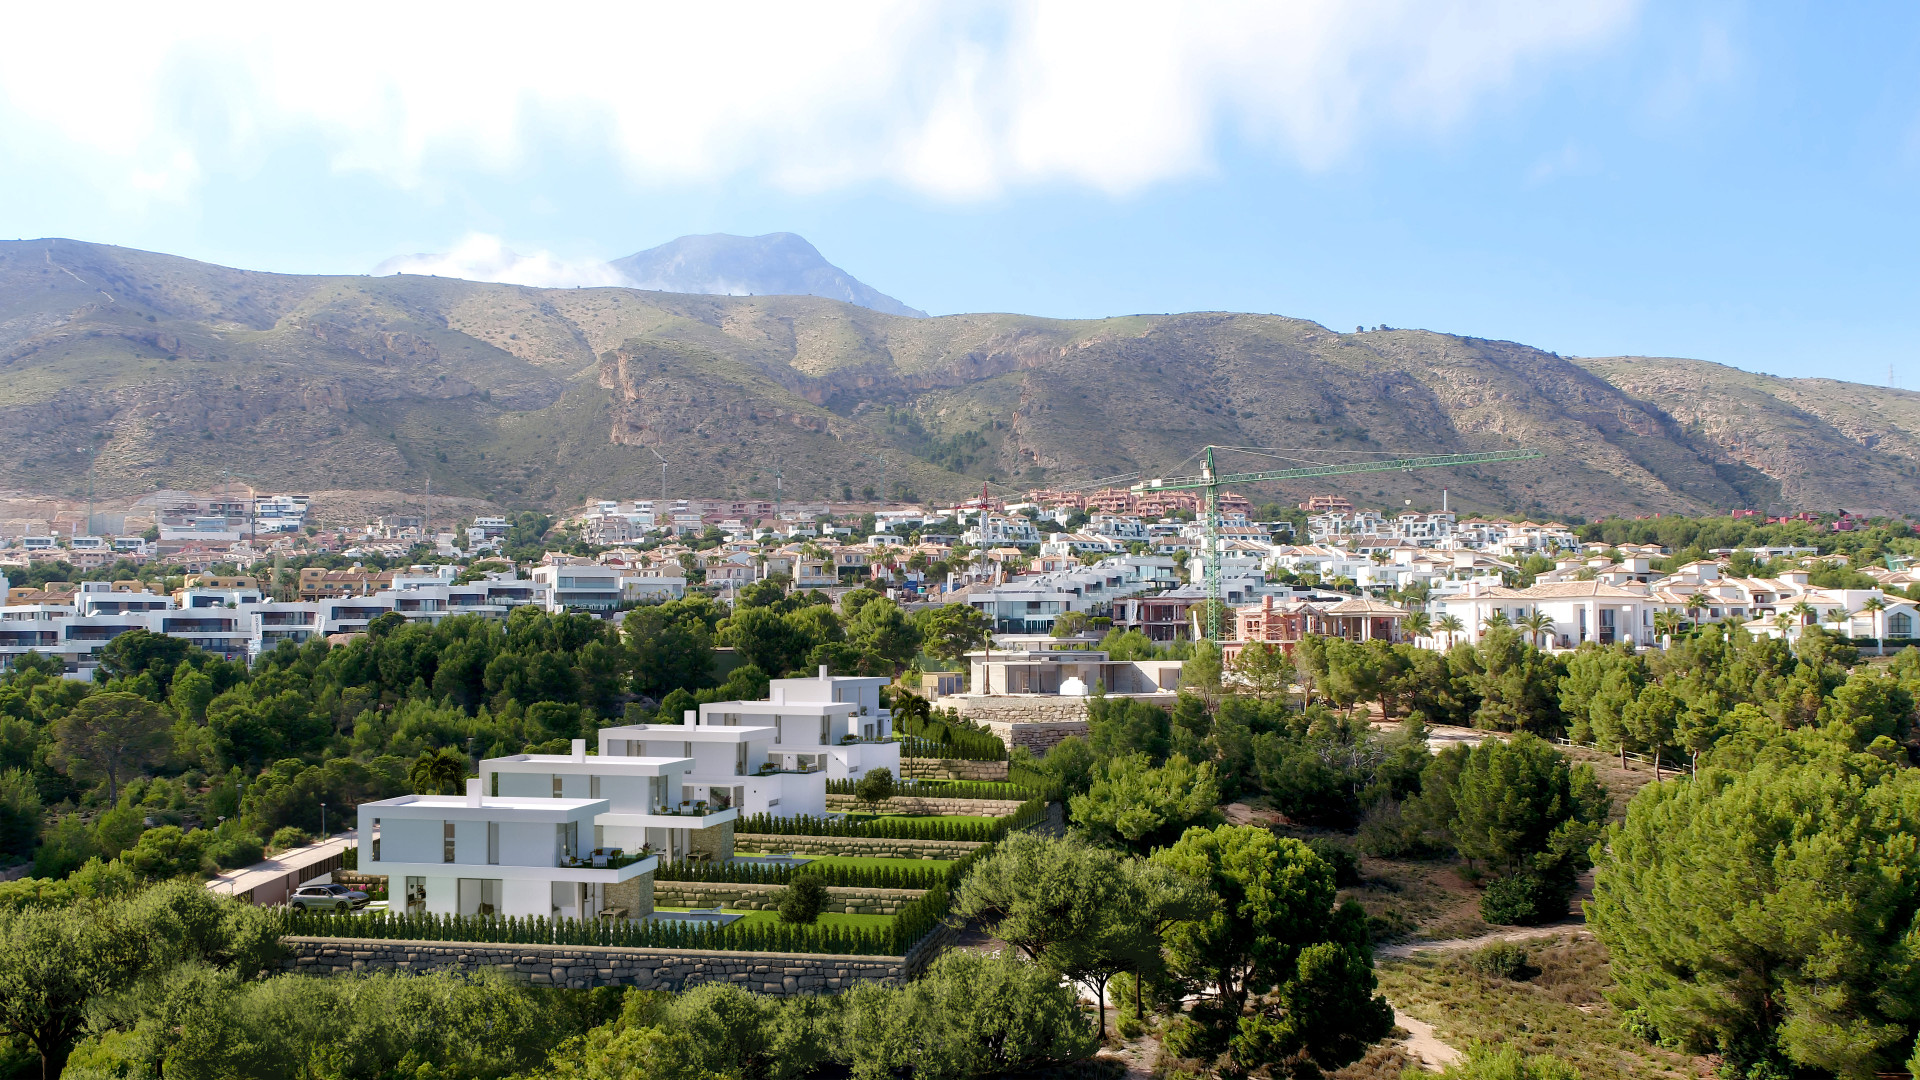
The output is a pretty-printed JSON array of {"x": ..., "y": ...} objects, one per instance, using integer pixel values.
[
  {"x": 480, "y": 257},
  {"x": 958, "y": 101}
]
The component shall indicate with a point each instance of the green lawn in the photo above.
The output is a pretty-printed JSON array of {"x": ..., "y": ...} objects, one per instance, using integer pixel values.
[
  {"x": 849, "y": 922},
  {"x": 922, "y": 817},
  {"x": 874, "y": 861}
]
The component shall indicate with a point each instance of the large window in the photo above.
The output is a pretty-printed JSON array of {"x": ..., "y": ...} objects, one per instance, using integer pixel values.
[
  {"x": 479, "y": 896},
  {"x": 446, "y": 841},
  {"x": 493, "y": 843},
  {"x": 416, "y": 895},
  {"x": 1899, "y": 624}
]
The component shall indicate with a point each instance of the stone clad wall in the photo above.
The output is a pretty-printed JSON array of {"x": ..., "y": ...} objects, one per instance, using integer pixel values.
[
  {"x": 921, "y": 768},
  {"x": 916, "y": 804},
  {"x": 781, "y": 843},
  {"x": 1036, "y": 721},
  {"x": 579, "y": 967},
  {"x": 848, "y": 901},
  {"x": 716, "y": 841},
  {"x": 637, "y": 896}
]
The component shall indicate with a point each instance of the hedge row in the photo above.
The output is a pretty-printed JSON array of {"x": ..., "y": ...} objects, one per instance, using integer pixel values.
[
  {"x": 914, "y": 922},
  {"x": 926, "y": 828},
  {"x": 938, "y": 738},
  {"x": 910, "y": 874},
  {"x": 943, "y": 789}
]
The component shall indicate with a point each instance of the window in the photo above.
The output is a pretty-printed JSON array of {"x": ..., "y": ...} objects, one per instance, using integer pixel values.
[
  {"x": 1899, "y": 624},
  {"x": 825, "y": 723},
  {"x": 493, "y": 843},
  {"x": 593, "y": 787},
  {"x": 556, "y": 785},
  {"x": 495, "y": 792},
  {"x": 416, "y": 895},
  {"x": 479, "y": 896},
  {"x": 446, "y": 845},
  {"x": 739, "y": 759},
  {"x": 776, "y": 731},
  {"x": 567, "y": 834}
]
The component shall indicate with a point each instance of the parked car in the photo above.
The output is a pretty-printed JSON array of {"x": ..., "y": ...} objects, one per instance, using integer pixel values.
[{"x": 327, "y": 898}]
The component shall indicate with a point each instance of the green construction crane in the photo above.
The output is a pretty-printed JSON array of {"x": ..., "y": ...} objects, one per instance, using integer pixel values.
[{"x": 1209, "y": 481}]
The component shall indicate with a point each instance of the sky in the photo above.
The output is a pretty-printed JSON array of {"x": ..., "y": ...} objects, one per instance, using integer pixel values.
[{"x": 1737, "y": 183}]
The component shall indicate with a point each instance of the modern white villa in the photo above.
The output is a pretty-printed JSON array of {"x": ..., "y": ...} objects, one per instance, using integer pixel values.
[
  {"x": 748, "y": 767},
  {"x": 649, "y": 806},
  {"x": 482, "y": 855}
]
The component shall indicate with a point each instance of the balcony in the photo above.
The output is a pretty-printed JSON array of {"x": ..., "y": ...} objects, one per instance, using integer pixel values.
[
  {"x": 685, "y": 816},
  {"x": 605, "y": 859}
]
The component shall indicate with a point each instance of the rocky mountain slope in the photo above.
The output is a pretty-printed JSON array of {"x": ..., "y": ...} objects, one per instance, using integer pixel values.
[{"x": 178, "y": 373}]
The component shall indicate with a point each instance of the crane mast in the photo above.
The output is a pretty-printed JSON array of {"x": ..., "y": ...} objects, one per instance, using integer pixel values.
[{"x": 1209, "y": 481}]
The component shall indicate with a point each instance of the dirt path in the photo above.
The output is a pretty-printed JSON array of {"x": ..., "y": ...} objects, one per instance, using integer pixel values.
[
  {"x": 1422, "y": 1041},
  {"x": 1424, "y": 1045},
  {"x": 1527, "y": 933}
]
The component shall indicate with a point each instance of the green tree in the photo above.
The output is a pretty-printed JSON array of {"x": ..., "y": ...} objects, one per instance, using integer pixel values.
[
  {"x": 1137, "y": 805},
  {"x": 881, "y": 629},
  {"x": 56, "y": 962},
  {"x": 1518, "y": 685},
  {"x": 1071, "y": 624},
  {"x": 1265, "y": 670},
  {"x": 1485, "y": 1062},
  {"x": 1276, "y": 929},
  {"x": 874, "y": 789},
  {"x": 1521, "y": 809},
  {"x": 20, "y": 812},
  {"x": 953, "y": 631},
  {"x": 1770, "y": 916},
  {"x": 141, "y": 651},
  {"x": 166, "y": 852},
  {"x": 438, "y": 773},
  {"x": 802, "y": 900},
  {"x": 969, "y": 1016},
  {"x": 112, "y": 734}
]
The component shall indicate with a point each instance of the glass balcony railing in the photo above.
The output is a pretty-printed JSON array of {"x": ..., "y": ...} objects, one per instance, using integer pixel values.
[{"x": 605, "y": 859}]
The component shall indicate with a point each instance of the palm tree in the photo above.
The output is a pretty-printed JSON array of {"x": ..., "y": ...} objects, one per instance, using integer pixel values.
[
  {"x": 1418, "y": 625},
  {"x": 1538, "y": 625},
  {"x": 1783, "y": 622},
  {"x": 1874, "y": 608},
  {"x": 1804, "y": 612},
  {"x": 1666, "y": 622},
  {"x": 1695, "y": 605},
  {"x": 1449, "y": 625},
  {"x": 437, "y": 774},
  {"x": 1497, "y": 619}
]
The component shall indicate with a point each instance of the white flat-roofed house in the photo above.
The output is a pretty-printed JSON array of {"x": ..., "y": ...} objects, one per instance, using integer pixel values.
[
  {"x": 477, "y": 855},
  {"x": 579, "y": 585},
  {"x": 733, "y": 759},
  {"x": 861, "y": 740},
  {"x": 648, "y": 804}
]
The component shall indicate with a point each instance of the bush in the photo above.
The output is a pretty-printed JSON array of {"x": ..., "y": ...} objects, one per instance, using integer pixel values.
[
  {"x": 289, "y": 836},
  {"x": 802, "y": 901},
  {"x": 1346, "y": 864},
  {"x": 875, "y": 788},
  {"x": 970, "y": 1015},
  {"x": 1503, "y": 960},
  {"x": 931, "y": 828},
  {"x": 1525, "y": 899}
]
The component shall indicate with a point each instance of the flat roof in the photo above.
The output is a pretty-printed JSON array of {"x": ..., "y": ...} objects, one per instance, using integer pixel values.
[
  {"x": 689, "y": 732},
  {"x": 513, "y": 805},
  {"x": 650, "y": 766},
  {"x": 248, "y": 878},
  {"x": 777, "y": 707}
]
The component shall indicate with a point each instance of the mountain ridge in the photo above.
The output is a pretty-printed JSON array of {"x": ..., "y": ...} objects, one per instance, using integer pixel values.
[{"x": 181, "y": 372}]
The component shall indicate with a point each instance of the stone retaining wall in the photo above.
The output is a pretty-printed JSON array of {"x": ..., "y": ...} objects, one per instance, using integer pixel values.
[
  {"x": 579, "y": 967},
  {"x": 841, "y": 900},
  {"x": 920, "y": 804},
  {"x": 782, "y": 843},
  {"x": 923, "y": 768}
]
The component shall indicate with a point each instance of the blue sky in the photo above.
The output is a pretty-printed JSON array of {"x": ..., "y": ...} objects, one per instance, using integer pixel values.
[{"x": 1735, "y": 183}]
